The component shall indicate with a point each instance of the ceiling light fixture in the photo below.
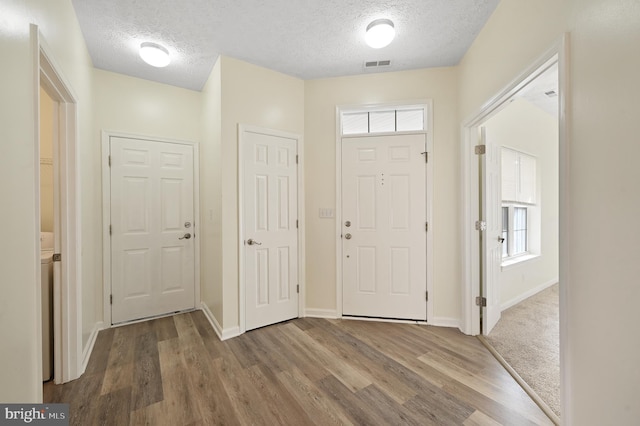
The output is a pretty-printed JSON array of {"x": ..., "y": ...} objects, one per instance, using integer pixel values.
[
  {"x": 380, "y": 33},
  {"x": 154, "y": 54}
]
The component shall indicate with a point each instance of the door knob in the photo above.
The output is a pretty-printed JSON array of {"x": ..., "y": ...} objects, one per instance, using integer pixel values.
[
  {"x": 185, "y": 237},
  {"x": 501, "y": 240},
  {"x": 347, "y": 236},
  {"x": 252, "y": 242}
]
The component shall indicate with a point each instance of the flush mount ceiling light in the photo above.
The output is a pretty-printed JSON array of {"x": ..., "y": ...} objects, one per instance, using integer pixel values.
[
  {"x": 380, "y": 33},
  {"x": 154, "y": 54}
]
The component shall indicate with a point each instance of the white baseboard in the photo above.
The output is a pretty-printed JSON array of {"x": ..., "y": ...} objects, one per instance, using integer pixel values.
[
  {"x": 88, "y": 349},
  {"x": 528, "y": 294},
  {"x": 321, "y": 313},
  {"x": 222, "y": 334},
  {"x": 389, "y": 320},
  {"x": 445, "y": 322}
]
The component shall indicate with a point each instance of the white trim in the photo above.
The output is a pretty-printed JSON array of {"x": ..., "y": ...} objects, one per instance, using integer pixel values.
[
  {"x": 512, "y": 262},
  {"x": 106, "y": 215},
  {"x": 88, "y": 349},
  {"x": 508, "y": 304},
  {"x": 222, "y": 334},
  {"x": 390, "y": 320},
  {"x": 565, "y": 137},
  {"x": 445, "y": 322},
  {"x": 470, "y": 319},
  {"x": 243, "y": 128},
  {"x": 322, "y": 313},
  {"x": 427, "y": 105},
  {"x": 67, "y": 303}
]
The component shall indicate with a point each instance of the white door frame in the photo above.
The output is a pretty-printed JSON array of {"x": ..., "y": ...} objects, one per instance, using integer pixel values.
[
  {"x": 427, "y": 104},
  {"x": 106, "y": 214},
  {"x": 242, "y": 303},
  {"x": 470, "y": 313},
  {"x": 67, "y": 303}
]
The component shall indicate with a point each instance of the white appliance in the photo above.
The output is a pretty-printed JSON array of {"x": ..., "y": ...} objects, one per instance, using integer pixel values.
[{"x": 46, "y": 269}]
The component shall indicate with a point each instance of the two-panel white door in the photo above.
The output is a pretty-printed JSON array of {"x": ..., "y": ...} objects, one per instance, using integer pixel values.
[
  {"x": 491, "y": 205},
  {"x": 270, "y": 205},
  {"x": 152, "y": 228},
  {"x": 384, "y": 236}
]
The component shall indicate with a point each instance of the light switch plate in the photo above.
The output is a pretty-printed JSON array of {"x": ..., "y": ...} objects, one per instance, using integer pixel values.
[{"x": 326, "y": 213}]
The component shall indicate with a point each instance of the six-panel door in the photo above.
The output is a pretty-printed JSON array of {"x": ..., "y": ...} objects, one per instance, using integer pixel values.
[
  {"x": 153, "y": 239},
  {"x": 384, "y": 216},
  {"x": 271, "y": 238}
]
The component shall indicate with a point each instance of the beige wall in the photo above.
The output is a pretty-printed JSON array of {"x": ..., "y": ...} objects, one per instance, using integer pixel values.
[
  {"x": 211, "y": 194},
  {"x": 132, "y": 105},
  {"x": 527, "y": 128},
  {"x": 598, "y": 273},
  {"x": 321, "y": 98},
  {"x": 47, "y": 116},
  {"x": 19, "y": 306},
  {"x": 260, "y": 97}
]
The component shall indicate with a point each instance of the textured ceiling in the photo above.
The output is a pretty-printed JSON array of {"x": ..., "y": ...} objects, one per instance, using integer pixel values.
[{"x": 304, "y": 38}]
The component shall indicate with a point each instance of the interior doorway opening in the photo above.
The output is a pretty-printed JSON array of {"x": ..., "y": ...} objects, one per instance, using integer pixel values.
[
  {"x": 500, "y": 214},
  {"x": 66, "y": 309}
]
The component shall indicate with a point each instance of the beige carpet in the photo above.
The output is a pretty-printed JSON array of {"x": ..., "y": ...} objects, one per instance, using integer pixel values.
[{"x": 527, "y": 337}]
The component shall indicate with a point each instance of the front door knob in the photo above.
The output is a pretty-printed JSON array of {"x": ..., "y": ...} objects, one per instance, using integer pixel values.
[{"x": 348, "y": 236}]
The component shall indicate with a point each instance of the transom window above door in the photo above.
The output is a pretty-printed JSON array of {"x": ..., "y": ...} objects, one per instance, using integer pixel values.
[{"x": 396, "y": 120}]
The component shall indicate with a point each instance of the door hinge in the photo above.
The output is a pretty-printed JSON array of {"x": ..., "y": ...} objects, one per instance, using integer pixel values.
[
  {"x": 298, "y": 288},
  {"x": 427, "y": 296},
  {"x": 57, "y": 257},
  {"x": 109, "y": 161},
  {"x": 426, "y": 156},
  {"x": 111, "y": 299},
  {"x": 110, "y": 229},
  {"x": 426, "y": 226},
  {"x": 481, "y": 301},
  {"x": 481, "y": 149},
  {"x": 296, "y": 223},
  {"x": 296, "y": 159},
  {"x": 481, "y": 225}
]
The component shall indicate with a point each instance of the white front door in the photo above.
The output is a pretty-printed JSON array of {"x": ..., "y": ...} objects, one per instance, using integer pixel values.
[
  {"x": 384, "y": 243},
  {"x": 491, "y": 205},
  {"x": 152, "y": 228},
  {"x": 270, "y": 198}
]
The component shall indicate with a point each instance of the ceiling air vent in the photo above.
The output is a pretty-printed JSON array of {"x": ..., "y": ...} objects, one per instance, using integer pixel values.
[
  {"x": 551, "y": 93},
  {"x": 373, "y": 65}
]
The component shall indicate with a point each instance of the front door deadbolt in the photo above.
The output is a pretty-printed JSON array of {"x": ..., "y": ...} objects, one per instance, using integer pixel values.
[{"x": 347, "y": 223}]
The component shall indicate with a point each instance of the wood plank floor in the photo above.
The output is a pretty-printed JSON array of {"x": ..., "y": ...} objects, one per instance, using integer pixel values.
[{"x": 175, "y": 371}]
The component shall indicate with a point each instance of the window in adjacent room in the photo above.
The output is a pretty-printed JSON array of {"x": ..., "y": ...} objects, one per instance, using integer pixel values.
[{"x": 519, "y": 206}]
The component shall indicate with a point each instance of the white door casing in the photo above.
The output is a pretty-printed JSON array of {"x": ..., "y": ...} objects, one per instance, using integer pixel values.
[
  {"x": 384, "y": 236},
  {"x": 153, "y": 229},
  {"x": 491, "y": 206},
  {"x": 269, "y": 225}
]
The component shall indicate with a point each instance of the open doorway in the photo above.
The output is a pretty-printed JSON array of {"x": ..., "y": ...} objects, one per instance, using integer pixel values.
[
  {"x": 49, "y": 223},
  {"x": 525, "y": 135},
  {"x": 512, "y": 225},
  {"x": 58, "y": 202}
]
